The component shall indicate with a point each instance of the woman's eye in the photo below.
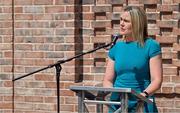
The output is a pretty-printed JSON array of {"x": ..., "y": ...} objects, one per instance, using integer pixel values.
[{"x": 126, "y": 21}]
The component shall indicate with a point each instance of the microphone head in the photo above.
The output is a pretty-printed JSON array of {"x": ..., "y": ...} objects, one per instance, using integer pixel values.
[
  {"x": 115, "y": 38},
  {"x": 117, "y": 35}
]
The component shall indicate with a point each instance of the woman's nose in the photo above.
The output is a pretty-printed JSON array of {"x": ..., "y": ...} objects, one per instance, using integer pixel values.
[{"x": 122, "y": 23}]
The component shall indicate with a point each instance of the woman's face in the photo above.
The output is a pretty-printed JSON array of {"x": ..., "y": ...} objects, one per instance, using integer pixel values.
[{"x": 125, "y": 24}]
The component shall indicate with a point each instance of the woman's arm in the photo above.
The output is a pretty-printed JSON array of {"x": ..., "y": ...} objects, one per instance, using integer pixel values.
[
  {"x": 109, "y": 74},
  {"x": 156, "y": 74}
]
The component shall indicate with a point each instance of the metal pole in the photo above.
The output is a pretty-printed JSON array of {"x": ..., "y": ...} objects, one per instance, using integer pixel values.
[{"x": 124, "y": 102}]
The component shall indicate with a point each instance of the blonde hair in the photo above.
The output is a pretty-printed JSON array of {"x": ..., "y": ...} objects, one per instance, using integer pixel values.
[{"x": 139, "y": 23}]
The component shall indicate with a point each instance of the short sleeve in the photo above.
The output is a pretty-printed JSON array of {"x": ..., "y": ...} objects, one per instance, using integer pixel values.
[
  {"x": 111, "y": 53},
  {"x": 154, "y": 49}
]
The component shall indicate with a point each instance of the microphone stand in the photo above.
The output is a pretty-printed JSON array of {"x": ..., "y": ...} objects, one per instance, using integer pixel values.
[{"x": 59, "y": 68}]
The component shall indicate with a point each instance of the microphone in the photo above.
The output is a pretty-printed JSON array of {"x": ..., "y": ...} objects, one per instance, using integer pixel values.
[{"x": 115, "y": 38}]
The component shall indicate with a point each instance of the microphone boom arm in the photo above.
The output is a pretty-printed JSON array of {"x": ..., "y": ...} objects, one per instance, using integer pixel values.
[{"x": 64, "y": 61}]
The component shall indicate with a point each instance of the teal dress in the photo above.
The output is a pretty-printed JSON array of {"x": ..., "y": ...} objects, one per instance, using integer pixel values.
[{"x": 132, "y": 70}]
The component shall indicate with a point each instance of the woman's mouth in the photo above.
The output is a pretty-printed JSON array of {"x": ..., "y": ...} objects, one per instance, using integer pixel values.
[{"x": 122, "y": 29}]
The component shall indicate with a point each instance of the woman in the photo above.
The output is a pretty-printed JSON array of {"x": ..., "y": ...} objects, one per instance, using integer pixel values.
[{"x": 134, "y": 62}]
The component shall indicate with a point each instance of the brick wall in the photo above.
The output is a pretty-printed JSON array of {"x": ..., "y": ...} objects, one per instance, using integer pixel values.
[{"x": 46, "y": 31}]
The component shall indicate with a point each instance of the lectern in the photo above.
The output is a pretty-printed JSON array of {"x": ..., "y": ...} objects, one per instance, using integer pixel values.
[{"x": 86, "y": 95}]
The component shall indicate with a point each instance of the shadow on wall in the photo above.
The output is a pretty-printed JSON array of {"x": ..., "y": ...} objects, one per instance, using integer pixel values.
[{"x": 78, "y": 38}]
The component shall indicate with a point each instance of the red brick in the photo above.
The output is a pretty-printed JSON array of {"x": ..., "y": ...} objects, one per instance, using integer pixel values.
[
  {"x": 169, "y": 55},
  {"x": 88, "y": 77},
  {"x": 1, "y": 98},
  {"x": 5, "y": 105},
  {"x": 51, "y": 99},
  {"x": 116, "y": 2},
  {"x": 118, "y": 8},
  {"x": 170, "y": 110},
  {"x": 100, "y": 55},
  {"x": 176, "y": 62},
  {"x": 5, "y": 24},
  {"x": 37, "y": 99},
  {"x": 7, "y": 10},
  {"x": 7, "y": 69},
  {"x": 102, "y": 8},
  {"x": 8, "y": 83},
  {"x": 66, "y": 93},
  {"x": 5, "y": 32},
  {"x": 62, "y": 2},
  {"x": 6, "y": 2},
  {"x": 88, "y": 16},
  {"x": 101, "y": 2},
  {"x": 149, "y": 1},
  {"x": 88, "y": 47},
  {"x": 167, "y": 2},
  {"x": 102, "y": 39},
  {"x": 22, "y": 2},
  {"x": 166, "y": 39},
  {"x": 33, "y": 55},
  {"x": 87, "y": 70},
  {"x": 34, "y": 84},
  {"x": 99, "y": 78},
  {"x": 150, "y": 7},
  {"x": 167, "y": 78},
  {"x": 43, "y": 16},
  {"x": 176, "y": 47},
  {"x": 19, "y": 98},
  {"x": 69, "y": 108},
  {"x": 45, "y": 107},
  {"x": 153, "y": 31},
  {"x": 42, "y": 62},
  {"x": 55, "y": 9},
  {"x": 23, "y": 16},
  {"x": 8, "y": 98},
  {"x": 176, "y": 31},
  {"x": 175, "y": 15},
  {"x": 18, "y": 9},
  {"x": 167, "y": 24},
  {"x": 23, "y": 47},
  {"x": 167, "y": 89},
  {"x": 86, "y": 9},
  {"x": 133, "y": 2},
  {"x": 177, "y": 104},
  {"x": 177, "y": 88},
  {"x": 50, "y": 85},
  {"x": 44, "y": 77},
  {"x": 8, "y": 54},
  {"x": 23, "y": 62},
  {"x": 176, "y": 79},
  {"x": 101, "y": 24},
  {"x": 68, "y": 84},
  {"x": 167, "y": 16},
  {"x": 43, "y": 2},
  {"x": 176, "y": 1},
  {"x": 152, "y": 16},
  {"x": 70, "y": 24},
  {"x": 167, "y": 8},
  {"x": 7, "y": 39},
  {"x": 166, "y": 103},
  {"x": 69, "y": 77},
  {"x": 70, "y": 9},
  {"x": 71, "y": 100}
]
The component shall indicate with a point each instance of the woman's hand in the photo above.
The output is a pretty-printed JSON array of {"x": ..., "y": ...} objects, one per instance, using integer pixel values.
[{"x": 143, "y": 94}]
